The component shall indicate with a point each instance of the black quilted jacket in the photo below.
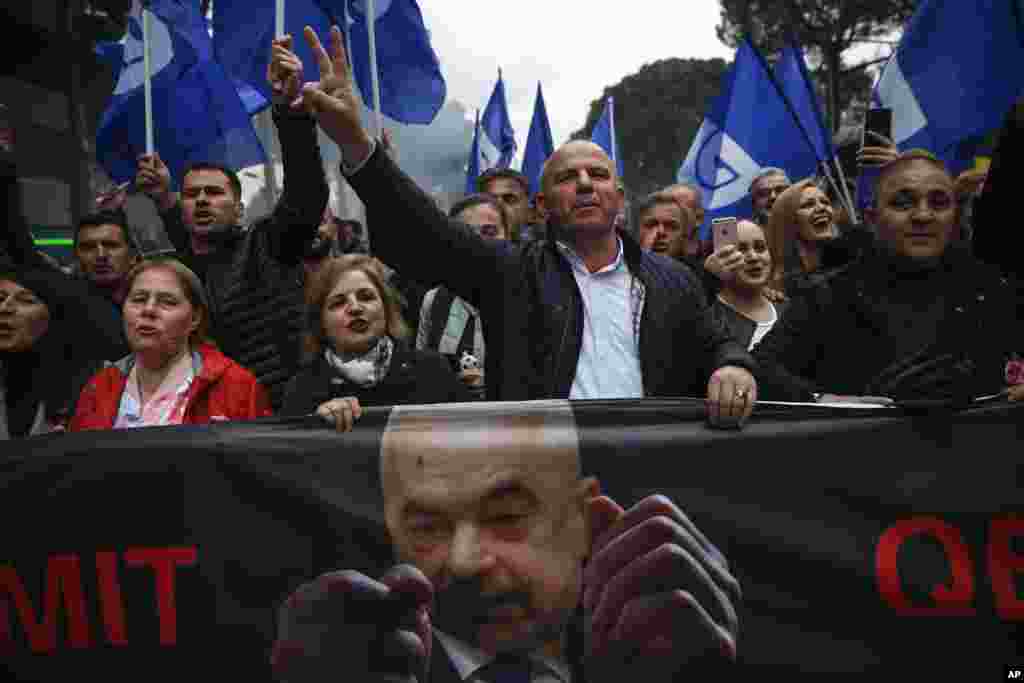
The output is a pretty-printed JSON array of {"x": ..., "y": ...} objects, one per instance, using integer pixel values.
[{"x": 254, "y": 280}]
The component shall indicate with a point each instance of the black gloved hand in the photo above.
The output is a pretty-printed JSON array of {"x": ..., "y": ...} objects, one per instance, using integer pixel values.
[{"x": 926, "y": 376}]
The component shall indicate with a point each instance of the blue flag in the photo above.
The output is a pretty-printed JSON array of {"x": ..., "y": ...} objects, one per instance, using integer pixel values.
[
  {"x": 797, "y": 87},
  {"x": 111, "y": 52},
  {"x": 539, "y": 145},
  {"x": 473, "y": 167},
  {"x": 412, "y": 88},
  {"x": 749, "y": 127},
  {"x": 498, "y": 144},
  {"x": 243, "y": 31},
  {"x": 955, "y": 74},
  {"x": 411, "y": 85},
  {"x": 604, "y": 134},
  {"x": 197, "y": 115}
]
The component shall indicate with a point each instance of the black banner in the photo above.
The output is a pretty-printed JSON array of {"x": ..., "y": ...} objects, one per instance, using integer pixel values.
[{"x": 864, "y": 541}]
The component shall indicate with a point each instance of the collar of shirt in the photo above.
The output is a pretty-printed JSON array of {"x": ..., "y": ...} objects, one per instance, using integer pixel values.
[
  {"x": 577, "y": 263},
  {"x": 467, "y": 660}
]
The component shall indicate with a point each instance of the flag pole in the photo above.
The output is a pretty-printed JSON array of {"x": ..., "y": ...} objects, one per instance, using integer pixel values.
[
  {"x": 279, "y": 19},
  {"x": 615, "y": 139},
  {"x": 371, "y": 25},
  {"x": 147, "y": 70},
  {"x": 846, "y": 191}
]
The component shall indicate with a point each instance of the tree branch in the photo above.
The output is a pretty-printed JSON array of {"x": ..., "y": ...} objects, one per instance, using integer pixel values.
[{"x": 861, "y": 67}]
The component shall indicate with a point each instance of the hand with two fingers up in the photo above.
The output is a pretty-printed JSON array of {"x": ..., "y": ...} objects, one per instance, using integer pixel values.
[
  {"x": 333, "y": 100},
  {"x": 345, "y": 626},
  {"x": 658, "y": 596}
]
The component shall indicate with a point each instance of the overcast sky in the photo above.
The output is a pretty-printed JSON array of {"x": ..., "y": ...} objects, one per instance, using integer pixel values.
[{"x": 573, "y": 47}]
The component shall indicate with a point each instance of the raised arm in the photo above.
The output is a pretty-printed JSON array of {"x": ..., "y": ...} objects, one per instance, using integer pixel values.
[
  {"x": 15, "y": 237},
  {"x": 407, "y": 229},
  {"x": 153, "y": 178},
  {"x": 292, "y": 226}
]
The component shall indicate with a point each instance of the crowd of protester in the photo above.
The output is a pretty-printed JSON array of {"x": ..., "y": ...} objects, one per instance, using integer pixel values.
[
  {"x": 507, "y": 297},
  {"x": 510, "y": 296}
]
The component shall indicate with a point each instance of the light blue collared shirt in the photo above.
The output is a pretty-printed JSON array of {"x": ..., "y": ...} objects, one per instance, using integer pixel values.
[
  {"x": 468, "y": 661},
  {"x": 609, "y": 363}
]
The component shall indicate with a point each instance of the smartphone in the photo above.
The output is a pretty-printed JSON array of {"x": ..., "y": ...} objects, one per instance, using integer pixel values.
[
  {"x": 878, "y": 121},
  {"x": 723, "y": 231}
]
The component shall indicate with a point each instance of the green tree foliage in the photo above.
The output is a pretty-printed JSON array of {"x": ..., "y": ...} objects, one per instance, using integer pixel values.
[
  {"x": 826, "y": 29},
  {"x": 657, "y": 113}
]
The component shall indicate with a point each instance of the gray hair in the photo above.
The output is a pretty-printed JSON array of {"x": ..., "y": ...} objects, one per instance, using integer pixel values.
[
  {"x": 767, "y": 173},
  {"x": 691, "y": 186}
]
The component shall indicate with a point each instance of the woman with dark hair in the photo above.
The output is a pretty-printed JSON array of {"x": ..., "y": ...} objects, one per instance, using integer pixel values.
[
  {"x": 357, "y": 349},
  {"x": 54, "y": 331},
  {"x": 174, "y": 375},
  {"x": 49, "y": 346}
]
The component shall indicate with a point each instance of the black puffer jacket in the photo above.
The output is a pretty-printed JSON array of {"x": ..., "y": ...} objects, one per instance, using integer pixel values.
[
  {"x": 529, "y": 301},
  {"x": 254, "y": 278}
]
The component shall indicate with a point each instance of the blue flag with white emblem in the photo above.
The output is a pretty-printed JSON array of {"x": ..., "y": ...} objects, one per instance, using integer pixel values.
[
  {"x": 197, "y": 114},
  {"x": 955, "y": 74},
  {"x": 498, "y": 142},
  {"x": 603, "y": 134},
  {"x": 539, "y": 145},
  {"x": 749, "y": 127},
  {"x": 473, "y": 166}
]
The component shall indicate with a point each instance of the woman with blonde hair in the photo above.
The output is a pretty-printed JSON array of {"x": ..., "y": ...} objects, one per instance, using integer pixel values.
[
  {"x": 357, "y": 348},
  {"x": 174, "y": 374},
  {"x": 802, "y": 222}
]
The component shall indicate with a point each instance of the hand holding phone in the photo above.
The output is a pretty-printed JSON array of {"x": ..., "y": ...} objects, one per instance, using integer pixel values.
[
  {"x": 723, "y": 231},
  {"x": 876, "y": 145}
]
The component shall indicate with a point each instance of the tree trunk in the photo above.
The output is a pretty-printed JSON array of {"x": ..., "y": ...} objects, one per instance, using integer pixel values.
[{"x": 833, "y": 58}]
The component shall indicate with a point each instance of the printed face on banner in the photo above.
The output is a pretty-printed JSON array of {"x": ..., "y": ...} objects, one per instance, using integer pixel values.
[{"x": 489, "y": 504}]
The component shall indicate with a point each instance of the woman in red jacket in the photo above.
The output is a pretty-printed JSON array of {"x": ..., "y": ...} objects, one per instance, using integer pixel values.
[{"x": 174, "y": 374}]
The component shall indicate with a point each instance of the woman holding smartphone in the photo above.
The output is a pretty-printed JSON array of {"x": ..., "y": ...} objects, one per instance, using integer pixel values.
[{"x": 742, "y": 304}]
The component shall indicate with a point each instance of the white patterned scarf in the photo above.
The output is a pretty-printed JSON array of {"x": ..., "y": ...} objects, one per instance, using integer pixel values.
[{"x": 367, "y": 369}]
